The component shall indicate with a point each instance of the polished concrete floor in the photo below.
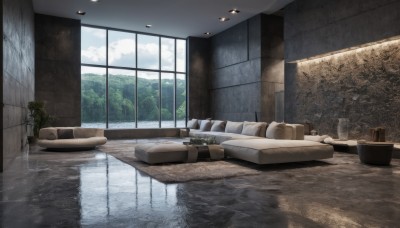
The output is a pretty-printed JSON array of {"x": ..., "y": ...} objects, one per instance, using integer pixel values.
[{"x": 94, "y": 189}]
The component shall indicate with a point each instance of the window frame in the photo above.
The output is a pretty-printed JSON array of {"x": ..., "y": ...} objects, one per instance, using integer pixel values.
[{"x": 136, "y": 69}]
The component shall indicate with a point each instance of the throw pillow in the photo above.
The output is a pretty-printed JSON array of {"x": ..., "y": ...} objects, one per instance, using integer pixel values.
[
  {"x": 205, "y": 125},
  {"x": 251, "y": 128},
  {"x": 192, "y": 124},
  {"x": 275, "y": 130},
  {"x": 65, "y": 133},
  {"x": 218, "y": 125},
  {"x": 234, "y": 127},
  {"x": 49, "y": 133}
]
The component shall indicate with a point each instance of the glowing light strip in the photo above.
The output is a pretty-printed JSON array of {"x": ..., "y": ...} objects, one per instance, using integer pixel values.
[{"x": 350, "y": 50}]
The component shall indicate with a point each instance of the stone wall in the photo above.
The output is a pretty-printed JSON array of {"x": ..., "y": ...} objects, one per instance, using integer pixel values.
[
  {"x": 247, "y": 70},
  {"x": 18, "y": 54},
  {"x": 58, "y": 64},
  {"x": 360, "y": 84}
]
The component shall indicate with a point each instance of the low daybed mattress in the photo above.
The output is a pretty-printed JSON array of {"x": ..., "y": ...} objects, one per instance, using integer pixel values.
[{"x": 270, "y": 151}]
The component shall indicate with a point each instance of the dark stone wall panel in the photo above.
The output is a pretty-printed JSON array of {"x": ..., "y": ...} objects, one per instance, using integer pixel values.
[
  {"x": 242, "y": 73},
  {"x": 248, "y": 86},
  {"x": 361, "y": 86},
  {"x": 17, "y": 76},
  {"x": 230, "y": 47},
  {"x": 58, "y": 79},
  {"x": 236, "y": 103},
  {"x": 337, "y": 33},
  {"x": 198, "y": 77}
]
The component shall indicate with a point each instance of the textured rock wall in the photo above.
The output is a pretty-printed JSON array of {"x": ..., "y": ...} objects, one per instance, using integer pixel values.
[
  {"x": 18, "y": 75},
  {"x": 362, "y": 85},
  {"x": 58, "y": 66}
]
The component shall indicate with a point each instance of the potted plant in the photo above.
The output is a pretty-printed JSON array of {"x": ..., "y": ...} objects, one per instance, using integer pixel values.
[{"x": 39, "y": 118}]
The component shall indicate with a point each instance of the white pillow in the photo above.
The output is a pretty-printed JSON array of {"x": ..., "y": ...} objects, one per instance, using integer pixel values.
[
  {"x": 276, "y": 130},
  {"x": 205, "y": 125},
  {"x": 218, "y": 125},
  {"x": 251, "y": 128},
  {"x": 192, "y": 124},
  {"x": 234, "y": 127}
]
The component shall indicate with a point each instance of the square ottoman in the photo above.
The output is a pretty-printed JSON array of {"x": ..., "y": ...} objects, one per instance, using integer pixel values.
[{"x": 153, "y": 153}]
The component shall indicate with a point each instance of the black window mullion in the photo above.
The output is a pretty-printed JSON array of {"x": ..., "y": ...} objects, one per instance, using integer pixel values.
[
  {"x": 107, "y": 100},
  {"x": 136, "y": 82},
  {"x": 175, "y": 49},
  {"x": 159, "y": 82}
]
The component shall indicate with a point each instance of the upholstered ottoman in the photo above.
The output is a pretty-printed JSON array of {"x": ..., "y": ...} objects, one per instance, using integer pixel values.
[
  {"x": 269, "y": 151},
  {"x": 153, "y": 153}
]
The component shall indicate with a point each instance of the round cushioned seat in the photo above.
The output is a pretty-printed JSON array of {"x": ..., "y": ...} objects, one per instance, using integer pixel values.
[{"x": 80, "y": 143}]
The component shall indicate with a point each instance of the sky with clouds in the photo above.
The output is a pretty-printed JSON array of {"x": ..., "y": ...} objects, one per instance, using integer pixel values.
[{"x": 121, "y": 51}]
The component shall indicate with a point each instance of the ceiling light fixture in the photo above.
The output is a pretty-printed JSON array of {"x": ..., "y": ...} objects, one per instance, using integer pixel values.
[
  {"x": 234, "y": 11},
  {"x": 223, "y": 19},
  {"x": 207, "y": 33},
  {"x": 80, "y": 12},
  {"x": 148, "y": 26},
  {"x": 94, "y": 0}
]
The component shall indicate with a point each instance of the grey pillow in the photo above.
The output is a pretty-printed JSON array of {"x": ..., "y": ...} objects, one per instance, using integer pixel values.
[
  {"x": 276, "y": 130},
  {"x": 192, "y": 124},
  {"x": 205, "y": 125},
  {"x": 218, "y": 125},
  {"x": 234, "y": 127},
  {"x": 251, "y": 128},
  {"x": 65, "y": 133}
]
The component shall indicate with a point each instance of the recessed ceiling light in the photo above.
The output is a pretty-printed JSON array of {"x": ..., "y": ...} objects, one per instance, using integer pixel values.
[
  {"x": 148, "y": 26},
  {"x": 207, "y": 33},
  {"x": 224, "y": 19},
  {"x": 94, "y": 0},
  {"x": 234, "y": 11},
  {"x": 81, "y": 12}
]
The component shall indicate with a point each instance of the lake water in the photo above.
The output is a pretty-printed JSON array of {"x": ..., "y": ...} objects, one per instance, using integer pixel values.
[{"x": 141, "y": 124}]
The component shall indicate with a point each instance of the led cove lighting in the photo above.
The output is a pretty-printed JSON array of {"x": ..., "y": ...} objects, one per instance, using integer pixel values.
[
  {"x": 223, "y": 19},
  {"x": 350, "y": 50},
  {"x": 80, "y": 12},
  {"x": 234, "y": 11}
]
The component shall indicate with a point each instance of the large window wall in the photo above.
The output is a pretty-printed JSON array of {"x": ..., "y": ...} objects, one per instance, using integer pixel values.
[{"x": 132, "y": 80}]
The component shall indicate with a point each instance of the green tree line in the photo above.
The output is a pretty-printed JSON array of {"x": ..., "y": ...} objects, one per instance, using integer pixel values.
[{"x": 121, "y": 95}]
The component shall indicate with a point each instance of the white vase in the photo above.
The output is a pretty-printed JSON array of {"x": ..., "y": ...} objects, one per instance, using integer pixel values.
[{"x": 343, "y": 129}]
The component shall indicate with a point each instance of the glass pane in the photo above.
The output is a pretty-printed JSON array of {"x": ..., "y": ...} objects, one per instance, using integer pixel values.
[
  {"x": 148, "y": 52},
  {"x": 167, "y": 54},
  {"x": 93, "y": 86},
  {"x": 121, "y": 49},
  {"x": 180, "y": 100},
  {"x": 121, "y": 98},
  {"x": 181, "y": 55},
  {"x": 148, "y": 99},
  {"x": 167, "y": 100},
  {"x": 93, "y": 46}
]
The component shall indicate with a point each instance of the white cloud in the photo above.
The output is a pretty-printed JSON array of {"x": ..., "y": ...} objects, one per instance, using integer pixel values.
[
  {"x": 94, "y": 55},
  {"x": 120, "y": 48}
]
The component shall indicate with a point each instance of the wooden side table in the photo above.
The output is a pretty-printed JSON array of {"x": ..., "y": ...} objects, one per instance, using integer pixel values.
[{"x": 375, "y": 153}]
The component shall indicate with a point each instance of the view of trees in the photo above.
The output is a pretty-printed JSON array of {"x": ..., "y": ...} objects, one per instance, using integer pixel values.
[{"x": 121, "y": 95}]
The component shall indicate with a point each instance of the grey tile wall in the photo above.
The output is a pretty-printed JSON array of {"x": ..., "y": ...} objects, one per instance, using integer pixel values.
[
  {"x": 362, "y": 86},
  {"x": 18, "y": 76},
  {"x": 58, "y": 59}
]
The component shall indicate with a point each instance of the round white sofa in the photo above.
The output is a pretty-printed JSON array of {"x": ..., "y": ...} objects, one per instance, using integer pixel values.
[{"x": 82, "y": 138}]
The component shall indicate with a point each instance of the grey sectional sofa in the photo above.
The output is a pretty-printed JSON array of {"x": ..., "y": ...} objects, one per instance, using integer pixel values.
[{"x": 262, "y": 143}]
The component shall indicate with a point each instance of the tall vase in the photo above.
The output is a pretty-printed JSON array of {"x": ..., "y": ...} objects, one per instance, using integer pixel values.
[{"x": 343, "y": 129}]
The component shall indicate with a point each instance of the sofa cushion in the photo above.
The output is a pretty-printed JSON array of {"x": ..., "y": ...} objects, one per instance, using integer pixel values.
[
  {"x": 205, "y": 125},
  {"x": 254, "y": 128},
  {"x": 218, "y": 125},
  {"x": 275, "y": 130},
  {"x": 65, "y": 133},
  {"x": 297, "y": 131},
  {"x": 49, "y": 133},
  {"x": 234, "y": 127},
  {"x": 192, "y": 124},
  {"x": 80, "y": 132}
]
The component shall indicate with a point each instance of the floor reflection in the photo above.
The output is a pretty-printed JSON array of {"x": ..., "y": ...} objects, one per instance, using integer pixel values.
[{"x": 112, "y": 189}]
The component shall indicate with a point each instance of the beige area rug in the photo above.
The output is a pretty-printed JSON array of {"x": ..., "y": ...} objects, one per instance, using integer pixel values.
[{"x": 124, "y": 150}]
